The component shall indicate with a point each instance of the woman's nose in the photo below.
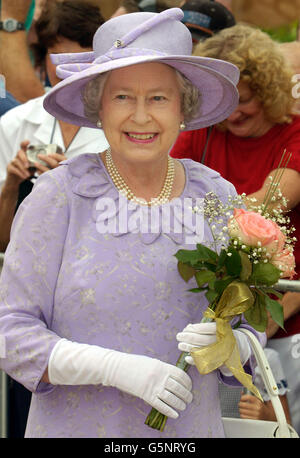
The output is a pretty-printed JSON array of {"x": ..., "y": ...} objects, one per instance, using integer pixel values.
[
  {"x": 234, "y": 116},
  {"x": 141, "y": 114}
]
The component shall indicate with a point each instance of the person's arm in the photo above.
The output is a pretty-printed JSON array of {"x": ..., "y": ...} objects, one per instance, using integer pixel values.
[
  {"x": 52, "y": 160},
  {"x": 289, "y": 186},
  {"x": 291, "y": 305},
  {"x": 15, "y": 64},
  {"x": 200, "y": 335},
  {"x": 164, "y": 386},
  {"x": 8, "y": 202},
  {"x": 17, "y": 171},
  {"x": 254, "y": 409},
  {"x": 28, "y": 280}
]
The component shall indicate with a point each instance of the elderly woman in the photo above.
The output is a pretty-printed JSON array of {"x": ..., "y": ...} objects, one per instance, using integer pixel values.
[
  {"x": 91, "y": 297},
  {"x": 247, "y": 147}
]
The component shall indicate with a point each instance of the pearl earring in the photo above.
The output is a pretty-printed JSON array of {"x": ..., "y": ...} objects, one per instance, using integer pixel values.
[
  {"x": 182, "y": 126},
  {"x": 99, "y": 124}
]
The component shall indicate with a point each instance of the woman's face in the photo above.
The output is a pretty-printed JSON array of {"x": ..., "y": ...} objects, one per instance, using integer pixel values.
[
  {"x": 248, "y": 119},
  {"x": 64, "y": 45},
  {"x": 141, "y": 111}
]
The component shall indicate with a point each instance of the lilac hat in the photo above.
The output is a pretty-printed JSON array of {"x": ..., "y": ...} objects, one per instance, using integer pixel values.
[{"x": 136, "y": 38}]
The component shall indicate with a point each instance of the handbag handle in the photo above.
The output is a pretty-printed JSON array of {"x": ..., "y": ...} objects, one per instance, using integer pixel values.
[{"x": 269, "y": 381}]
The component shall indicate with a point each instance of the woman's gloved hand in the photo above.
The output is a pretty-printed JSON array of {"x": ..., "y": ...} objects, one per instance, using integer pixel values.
[
  {"x": 164, "y": 386},
  {"x": 204, "y": 334}
]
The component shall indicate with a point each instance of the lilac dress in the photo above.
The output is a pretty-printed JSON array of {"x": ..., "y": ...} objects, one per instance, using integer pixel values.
[{"x": 64, "y": 277}]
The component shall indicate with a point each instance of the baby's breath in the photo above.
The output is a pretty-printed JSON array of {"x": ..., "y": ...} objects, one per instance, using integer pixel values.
[{"x": 218, "y": 214}]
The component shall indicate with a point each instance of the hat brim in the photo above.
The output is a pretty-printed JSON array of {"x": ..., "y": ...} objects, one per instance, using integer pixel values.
[{"x": 215, "y": 79}]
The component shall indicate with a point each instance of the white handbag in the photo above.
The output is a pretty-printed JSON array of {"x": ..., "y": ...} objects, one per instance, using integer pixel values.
[{"x": 244, "y": 428}]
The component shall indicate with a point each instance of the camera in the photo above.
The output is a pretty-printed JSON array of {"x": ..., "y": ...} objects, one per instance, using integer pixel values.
[{"x": 34, "y": 150}]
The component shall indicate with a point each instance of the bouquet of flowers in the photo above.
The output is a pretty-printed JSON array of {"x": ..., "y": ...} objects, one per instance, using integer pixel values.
[{"x": 252, "y": 249}]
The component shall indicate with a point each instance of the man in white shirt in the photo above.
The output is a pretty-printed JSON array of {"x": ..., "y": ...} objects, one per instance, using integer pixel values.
[{"x": 76, "y": 23}]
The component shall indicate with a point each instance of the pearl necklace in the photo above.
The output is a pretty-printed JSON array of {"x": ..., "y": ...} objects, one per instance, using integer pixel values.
[{"x": 164, "y": 195}]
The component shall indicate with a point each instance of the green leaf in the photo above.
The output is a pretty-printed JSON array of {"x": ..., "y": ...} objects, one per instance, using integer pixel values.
[
  {"x": 276, "y": 311},
  {"x": 207, "y": 254},
  {"x": 185, "y": 271},
  {"x": 220, "y": 285},
  {"x": 190, "y": 257},
  {"x": 246, "y": 266},
  {"x": 233, "y": 263},
  {"x": 211, "y": 295},
  {"x": 222, "y": 259},
  {"x": 196, "y": 290},
  {"x": 205, "y": 265},
  {"x": 264, "y": 274},
  {"x": 271, "y": 291},
  {"x": 204, "y": 276},
  {"x": 197, "y": 257},
  {"x": 257, "y": 315}
]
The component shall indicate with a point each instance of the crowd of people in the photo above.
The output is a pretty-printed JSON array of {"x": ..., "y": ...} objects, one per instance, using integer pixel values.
[{"x": 90, "y": 319}]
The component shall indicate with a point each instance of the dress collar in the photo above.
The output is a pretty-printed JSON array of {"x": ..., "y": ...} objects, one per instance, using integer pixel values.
[{"x": 113, "y": 212}]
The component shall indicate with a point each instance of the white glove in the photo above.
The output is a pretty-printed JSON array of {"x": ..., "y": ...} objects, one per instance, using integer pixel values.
[
  {"x": 204, "y": 334},
  {"x": 162, "y": 385}
]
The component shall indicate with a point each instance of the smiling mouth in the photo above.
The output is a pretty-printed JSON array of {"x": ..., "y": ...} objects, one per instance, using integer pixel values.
[
  {"x": 239, "y": 122},
  {"x": 137, "y": 136}
]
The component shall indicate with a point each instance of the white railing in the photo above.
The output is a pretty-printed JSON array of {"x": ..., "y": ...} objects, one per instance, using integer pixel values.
[{"x": 288, "y": 285}]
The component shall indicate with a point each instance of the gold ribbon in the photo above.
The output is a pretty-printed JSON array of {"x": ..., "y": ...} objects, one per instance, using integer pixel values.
[{"x": 235, "y": 300}]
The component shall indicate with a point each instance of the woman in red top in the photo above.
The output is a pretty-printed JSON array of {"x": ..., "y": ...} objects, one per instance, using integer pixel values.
[{"x": 247, "y": 148}]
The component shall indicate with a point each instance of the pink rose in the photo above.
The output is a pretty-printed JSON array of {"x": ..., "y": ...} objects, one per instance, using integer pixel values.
[
  {"x": 284, "y": 261},
  {"x": 251, "y": 228}
]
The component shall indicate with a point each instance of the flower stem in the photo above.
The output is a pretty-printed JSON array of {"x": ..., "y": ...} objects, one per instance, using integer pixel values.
[
  {"x": 277, "y": 178},
  {"x": 181, "y": 362}
]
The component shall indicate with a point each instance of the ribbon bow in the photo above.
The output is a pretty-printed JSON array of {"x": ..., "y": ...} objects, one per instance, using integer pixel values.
[{"x": 235, "y": 300}]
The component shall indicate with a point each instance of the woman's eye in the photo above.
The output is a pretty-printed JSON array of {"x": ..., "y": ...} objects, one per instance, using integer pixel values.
[
  {"x": 158, "y": 98},
  {"x": 121, "y": 97},
  {"x": 246, "y": 100}
]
